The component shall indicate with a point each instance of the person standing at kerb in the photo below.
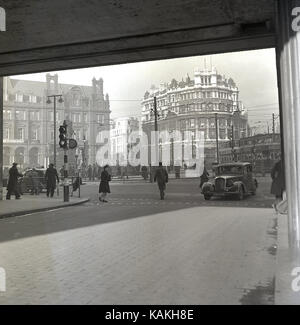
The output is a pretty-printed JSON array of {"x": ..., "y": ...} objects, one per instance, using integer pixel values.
[
  {"x": 278, "y": 182},
  {"x": 12, "y": 185},
  {"x": 162, "y": 178},
  {"x": 51, "y": 177}
]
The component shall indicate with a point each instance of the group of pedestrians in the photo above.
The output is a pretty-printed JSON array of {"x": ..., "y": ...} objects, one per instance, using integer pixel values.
[
  {"x": 13, "y": 185},
  {"x": 160, "y": 176}
]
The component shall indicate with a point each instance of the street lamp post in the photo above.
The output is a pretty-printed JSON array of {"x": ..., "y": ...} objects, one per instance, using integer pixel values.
[{"x": 60, "y": 100}]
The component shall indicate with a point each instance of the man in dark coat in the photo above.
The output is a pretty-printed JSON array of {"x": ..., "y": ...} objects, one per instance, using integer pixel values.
[
  {"x": 278, "y": 182},
  {"x": 51, "y": 176},
  {"x": 161, "y": 176},
  {"x": 12, "y": 185}
]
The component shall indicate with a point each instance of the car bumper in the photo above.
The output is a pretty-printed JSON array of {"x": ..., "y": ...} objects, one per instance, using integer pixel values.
[{"x": 223, "y": 193}]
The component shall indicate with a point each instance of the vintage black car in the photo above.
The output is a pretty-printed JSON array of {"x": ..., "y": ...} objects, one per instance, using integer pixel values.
[
  {"x": 232, "y": 179},
  {"x": 26, "y": 182}
]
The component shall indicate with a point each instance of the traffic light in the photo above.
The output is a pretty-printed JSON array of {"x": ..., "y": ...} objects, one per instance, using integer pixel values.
[{"x": 63, "y": 143}]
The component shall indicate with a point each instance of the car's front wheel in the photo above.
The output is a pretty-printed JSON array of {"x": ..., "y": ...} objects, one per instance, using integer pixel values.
[{"x": 241, "y": 194}]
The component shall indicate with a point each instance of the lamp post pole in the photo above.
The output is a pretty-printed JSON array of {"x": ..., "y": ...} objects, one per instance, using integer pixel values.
[
  {"x": 217, "y": 136},
  {"x": 60, "y": 100}
]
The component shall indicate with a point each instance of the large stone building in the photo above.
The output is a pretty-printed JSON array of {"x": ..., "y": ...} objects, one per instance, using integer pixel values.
[
  {"x": 194, "y": 104},
  {"x": 29, "y": 120}
]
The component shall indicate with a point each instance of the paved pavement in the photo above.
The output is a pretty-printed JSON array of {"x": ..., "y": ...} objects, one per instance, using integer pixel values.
[
  {"x": 130, "y": 255},
  {"x": 137, "y": 249},
  {"x": 287, "y": 268},
  {"x": 28, "y": 204}
]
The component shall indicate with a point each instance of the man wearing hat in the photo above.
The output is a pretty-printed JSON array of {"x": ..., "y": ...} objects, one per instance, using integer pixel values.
[
  {"x": 51, "y": 177},
  {"x": 161, "y": 176},
  {"x": 12, "y": 185}
]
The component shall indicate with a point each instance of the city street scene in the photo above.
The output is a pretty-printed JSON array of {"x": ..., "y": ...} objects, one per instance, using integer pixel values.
[{"x": 145, "y": 183}]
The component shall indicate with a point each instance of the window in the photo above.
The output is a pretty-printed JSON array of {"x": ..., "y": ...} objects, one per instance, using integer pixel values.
[
  {"x": 100, "y": 118},
  {"x": 35, "y": 134},
  {"x": 182, "y": 124},
  {"x": 202, "y": 123},
  {"x": 20, "y": 115},
  {"x": 76, "y": 99},
  {"x": 85, "y": 117},
  {"x": 76, "y": 117},
  {"x": 6, "y": 133},
  {"x": 34, "y": 115},
  {"x": 32, "y": 99},
  {"x": 25, "y": 98},
  {"x": 19, "y": 98},
  {"x": 6, "y": 115},
  {"x": 20, "y": 134}
]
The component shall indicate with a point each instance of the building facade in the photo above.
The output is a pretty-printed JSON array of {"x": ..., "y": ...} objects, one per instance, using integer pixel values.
[
  {"x": 198, "y": 104},
  {"x": 29, "y": 120},
  {"x": 119, "y": 138}
]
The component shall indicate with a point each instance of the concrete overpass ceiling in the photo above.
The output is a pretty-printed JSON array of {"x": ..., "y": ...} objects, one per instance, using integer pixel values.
[{"x": 59, "y": 32}]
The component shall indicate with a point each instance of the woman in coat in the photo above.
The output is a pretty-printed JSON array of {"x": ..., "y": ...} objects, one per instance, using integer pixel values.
[
  {"x": 278, "y": 182},
  {"x": 104, "y": 184},
  {"x": 204, "y": 177}
]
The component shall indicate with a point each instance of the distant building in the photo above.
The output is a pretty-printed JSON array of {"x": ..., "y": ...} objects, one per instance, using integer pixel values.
[
  {"x": 120, "y": 130},
  {"x": 29, "y": 120},
  {"x": 263, "y": 150},
  {"x": 192, "y": 104}
]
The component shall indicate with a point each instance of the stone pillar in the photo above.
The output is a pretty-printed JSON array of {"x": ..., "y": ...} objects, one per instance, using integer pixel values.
[
  {"x": 288, "y": 65},
  {"x": 1, "y": 138}
]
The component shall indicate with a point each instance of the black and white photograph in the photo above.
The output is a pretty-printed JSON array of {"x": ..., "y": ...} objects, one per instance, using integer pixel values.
[{"x": 149, "y": 154}]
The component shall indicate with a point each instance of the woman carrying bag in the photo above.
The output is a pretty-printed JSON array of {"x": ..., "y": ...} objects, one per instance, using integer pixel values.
[{"x": 104, "y": 184}]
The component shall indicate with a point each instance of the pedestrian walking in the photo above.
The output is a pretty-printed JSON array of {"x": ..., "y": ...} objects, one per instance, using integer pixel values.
[
  {"x": 104, "y": 184},
  {"x": 278, "y": 182},
  {"x": 95, "y": 172},
  {"x": 204, "y": 177},
  {"x": 12, "y": 185},
  {"x": 35, "y": 182},
  {"x": 162, "y": 178},
  {"x": 144, "y": 172},
  {"x": 51, "y": 177},
  {"x": 177, "y": 171},
  {"x": 90, "y": 172}
]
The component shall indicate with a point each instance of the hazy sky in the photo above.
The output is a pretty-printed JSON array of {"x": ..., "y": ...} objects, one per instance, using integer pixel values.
[{"x": 253, "y": 71}]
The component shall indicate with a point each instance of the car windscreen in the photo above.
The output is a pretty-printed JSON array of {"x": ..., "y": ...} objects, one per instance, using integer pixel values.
[{"x": 230, "y": 170}]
